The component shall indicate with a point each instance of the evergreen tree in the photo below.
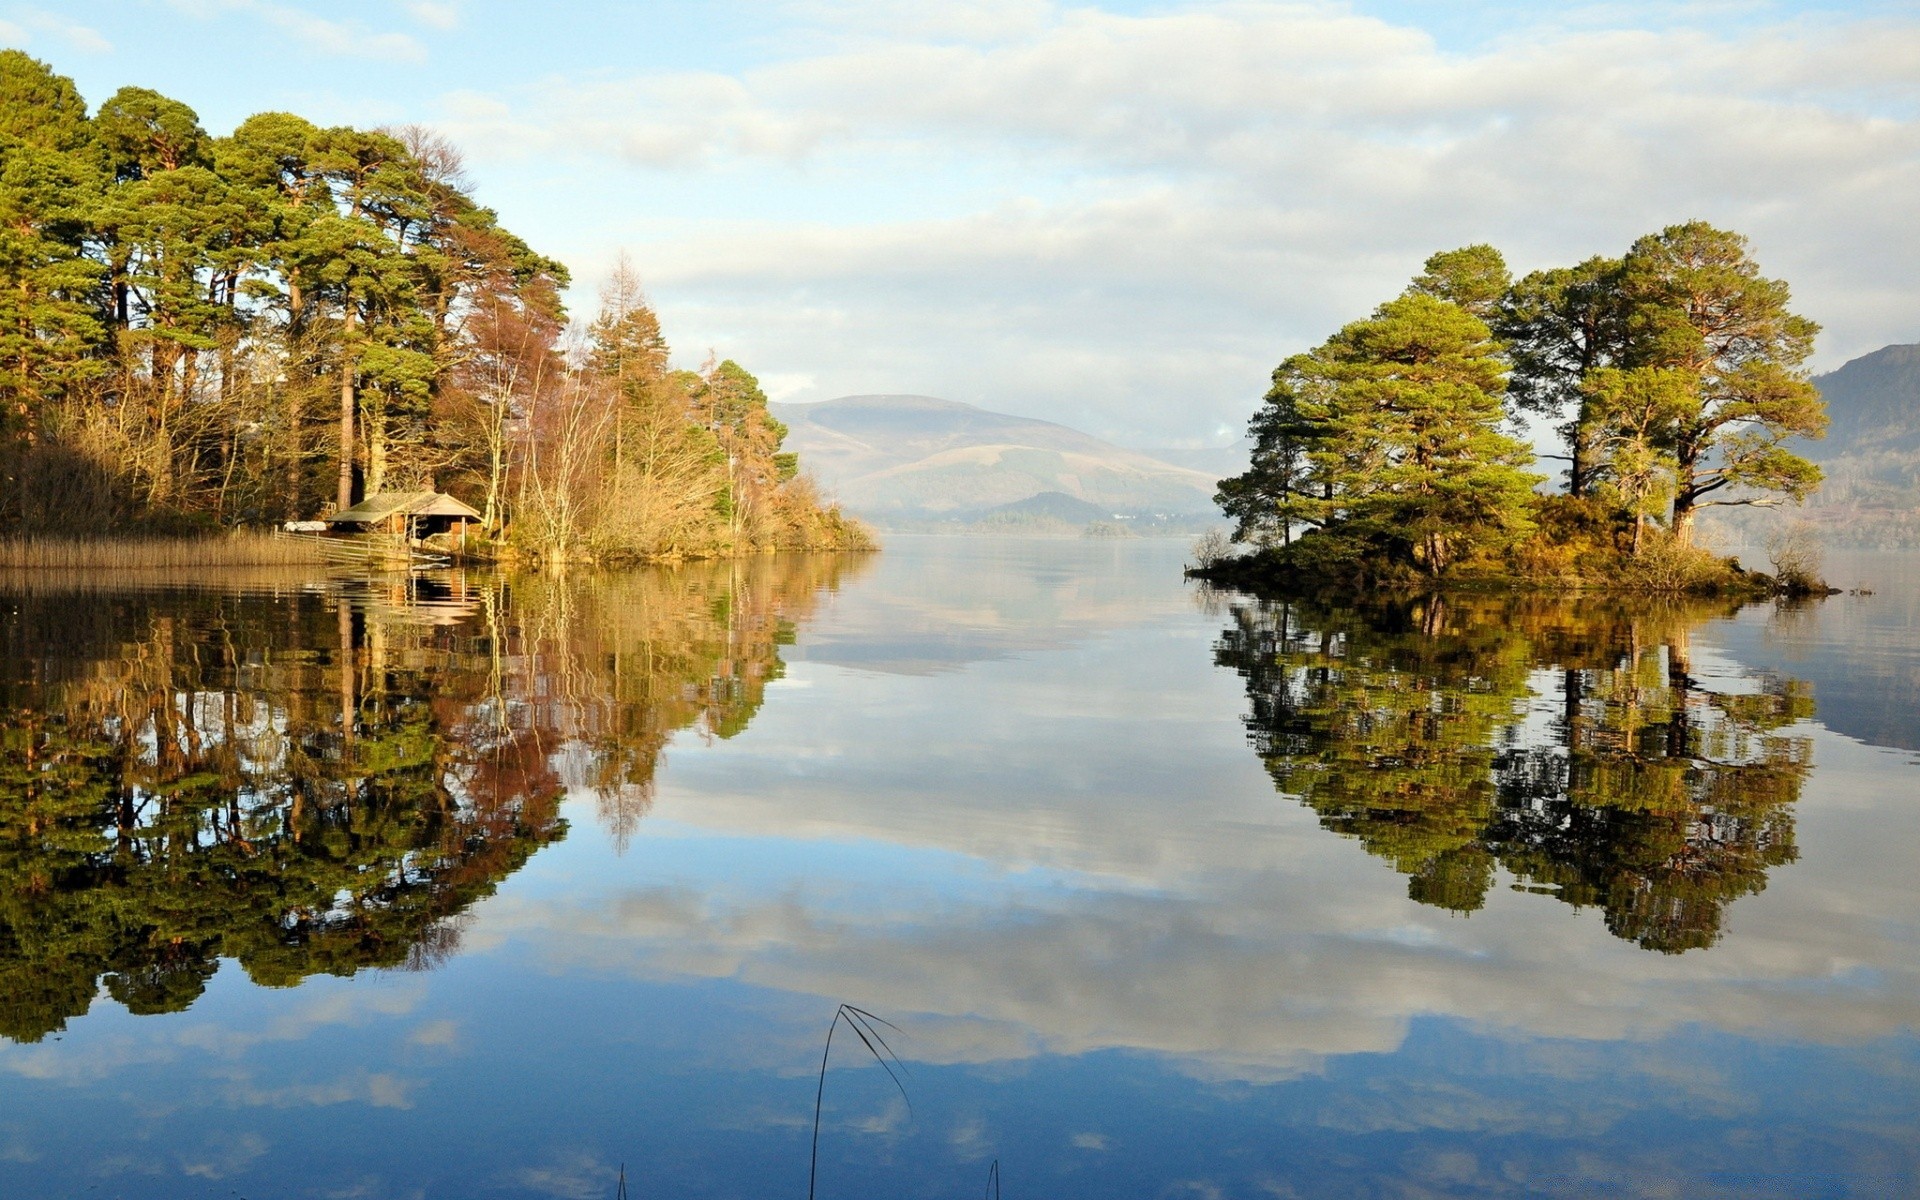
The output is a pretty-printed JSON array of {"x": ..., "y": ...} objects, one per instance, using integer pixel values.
[
  {"x": 1275, "y": 496},
  {"x": 1474, "y": 277},
  {"x": 1697, "y": 304},
  {"x": 271, "y": 324},
  {"x": 1560, "y": 325},
  {"x": 1408, "y": 460}
]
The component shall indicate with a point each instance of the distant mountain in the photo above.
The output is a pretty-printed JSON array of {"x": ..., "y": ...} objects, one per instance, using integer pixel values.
[
  {"x": 1052, "y": 506},
  {"x": 918, "y": 457},
  {"x": 1217, "y": 461},
  {"x": 1871, "y": 457},
  {"x": 1874, "y": 403}
]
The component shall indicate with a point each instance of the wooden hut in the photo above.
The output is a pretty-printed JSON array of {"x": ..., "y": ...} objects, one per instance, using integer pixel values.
[{"x": 412, "y": 515}]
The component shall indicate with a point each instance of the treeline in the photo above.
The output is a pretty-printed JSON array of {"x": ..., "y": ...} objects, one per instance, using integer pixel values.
[
  {"x": 200, "y": 331},
  {"x": 1673, "y": 377}
]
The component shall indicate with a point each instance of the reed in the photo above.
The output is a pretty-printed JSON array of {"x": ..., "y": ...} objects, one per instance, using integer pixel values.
[
  {"x": 866, "y": 1027},
  {"x": 242, "y": 548}
]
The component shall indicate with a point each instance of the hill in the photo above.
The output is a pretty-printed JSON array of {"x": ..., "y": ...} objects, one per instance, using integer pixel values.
[
  {"x": 1871, "y": 456},
  {"x": 1051, "y": 506},
  {"x": 1874, "y": 403},
  {"x": 917, "y": 458}
]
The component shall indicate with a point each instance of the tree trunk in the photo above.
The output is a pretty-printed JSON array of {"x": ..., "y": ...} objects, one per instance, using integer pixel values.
[
  {"x": 376, "y": 424},
  {"x": 1683, "y": 519},
  {"x": 1686, "y": 492},
  {"x": 294, "y": 417},
  {"x": 345, "y": 492}
]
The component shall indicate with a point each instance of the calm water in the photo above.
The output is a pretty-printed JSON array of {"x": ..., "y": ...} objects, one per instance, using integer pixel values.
[{"x": 462, "y": 889}]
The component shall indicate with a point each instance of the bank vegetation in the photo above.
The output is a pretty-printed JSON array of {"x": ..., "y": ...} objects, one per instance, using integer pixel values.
[{"x": 203, "y": 332}]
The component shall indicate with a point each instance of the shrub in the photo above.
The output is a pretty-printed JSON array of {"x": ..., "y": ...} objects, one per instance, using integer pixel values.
[
  {"x": 1797, "y": 558},
  {"x": 1210, "y": 547}
]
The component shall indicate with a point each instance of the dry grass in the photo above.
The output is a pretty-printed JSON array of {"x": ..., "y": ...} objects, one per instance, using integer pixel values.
[{"x": 238, "y": 549}]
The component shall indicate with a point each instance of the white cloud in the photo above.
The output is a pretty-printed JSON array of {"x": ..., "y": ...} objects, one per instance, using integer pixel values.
[
  {"x": 1123, "y": 221},
  {"x": 375, "y": 1089},
  {"x": 29, "y": 21},
  {"x": 339, "y": 37},
  {"x": 348, "y": 39},
  {"x": 225, "y": 1155},
  {"x": 1219, "y": 924},
  {"x": 435, "y": 14}
]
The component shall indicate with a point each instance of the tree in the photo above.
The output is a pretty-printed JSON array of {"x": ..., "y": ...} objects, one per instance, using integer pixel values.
[
  {"x": 39, "y": 108},
  {"x": 50, "y": 179},
  {"x": 1408, "y": 727},
  {"x": 1625, "y": 417},
  {"x": 1559, "y": 326},
  {"x": 1275, "y": 494},
  {"x": 1697, "y": 303},
  {"x": 202, "y": 329},
  {"x": 166, "y": 804},
  {"x": 1474, "y": 277},
  {"x": 1407, "y": 460}
]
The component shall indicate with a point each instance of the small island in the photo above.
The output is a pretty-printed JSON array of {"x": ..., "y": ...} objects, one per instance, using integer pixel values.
[{"x": 1392, "y": 455}]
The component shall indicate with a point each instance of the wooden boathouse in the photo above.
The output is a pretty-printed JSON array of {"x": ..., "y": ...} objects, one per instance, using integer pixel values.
[{"x": 413, "y": 516}]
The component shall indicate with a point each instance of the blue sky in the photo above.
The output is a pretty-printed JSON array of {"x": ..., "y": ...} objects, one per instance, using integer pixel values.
[{"x": 1117, "y": 216}]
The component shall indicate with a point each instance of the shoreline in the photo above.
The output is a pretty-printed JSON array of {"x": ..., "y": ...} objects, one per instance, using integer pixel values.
[{"x": 1262, "y": 576}]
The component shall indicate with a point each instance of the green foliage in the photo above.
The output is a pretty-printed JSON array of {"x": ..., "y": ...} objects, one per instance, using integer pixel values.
[
  {"x": 1697, "y": 305},
  {"x": 200, "y": 331},
  {"x": 144, "y": 134},
  {"x": 1674, "y": 375},
  {"x": 1473, "y": 277},
  {"x": 38, "y": 108},
  {"x": 1653, "y": 797},
  {"x": 1387, "y": 438}
]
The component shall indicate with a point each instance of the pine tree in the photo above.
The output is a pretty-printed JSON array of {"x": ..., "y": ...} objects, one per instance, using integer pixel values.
[
  {"x": 1697, "y": 304},
  {"x": 1407, "y": 460},
  {"x": 1560, "y": 325}
]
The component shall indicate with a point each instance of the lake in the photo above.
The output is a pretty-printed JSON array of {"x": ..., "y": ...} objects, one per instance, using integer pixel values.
[{"x": 461, "y": 886}]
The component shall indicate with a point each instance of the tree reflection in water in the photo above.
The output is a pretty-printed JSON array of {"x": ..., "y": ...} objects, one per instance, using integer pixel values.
[
  {"x": 320, "y": 779},
  {"x": 1572, "y": 745}
]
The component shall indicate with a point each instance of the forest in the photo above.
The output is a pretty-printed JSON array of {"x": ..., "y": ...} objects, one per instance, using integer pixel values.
[
  {"x": 1672, "y": 378},
  {"x": 201, "y": 332}
]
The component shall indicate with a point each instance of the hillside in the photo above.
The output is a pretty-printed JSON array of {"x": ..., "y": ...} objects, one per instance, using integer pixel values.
[
  {"x": 1874, "y": 403},
  {"x": 1871, "y": 456},
  {"x": 918, "y": 457}
]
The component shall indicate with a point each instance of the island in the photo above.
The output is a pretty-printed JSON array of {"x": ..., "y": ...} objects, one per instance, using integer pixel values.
[{"x": 1394, "y": 454}]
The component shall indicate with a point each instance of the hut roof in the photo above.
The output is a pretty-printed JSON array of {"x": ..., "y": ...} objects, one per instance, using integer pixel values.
[{"x": 381, "y": 505}]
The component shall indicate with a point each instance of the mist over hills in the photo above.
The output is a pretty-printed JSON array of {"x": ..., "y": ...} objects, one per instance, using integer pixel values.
[
  {"x": 1874, "y": 404},
  {"x": 1871, "y": 454},
  {"x": 1870, "y": 496},
  {"x": 910, "y": 458}
]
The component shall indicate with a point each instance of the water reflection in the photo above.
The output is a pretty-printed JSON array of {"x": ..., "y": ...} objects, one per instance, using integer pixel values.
[
  {"x": 1572, "y": 745},
  {"x": 321, "y": 779}
]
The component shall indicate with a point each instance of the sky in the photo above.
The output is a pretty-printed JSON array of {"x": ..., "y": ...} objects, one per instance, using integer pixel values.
[{"x": 1115, "y": 216}]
